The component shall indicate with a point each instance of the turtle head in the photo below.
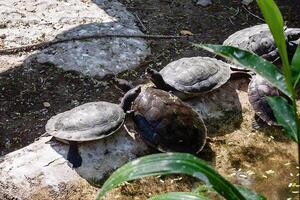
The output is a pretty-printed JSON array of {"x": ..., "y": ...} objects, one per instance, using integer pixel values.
[
  {"x": 129, "y": 97},
  {"x": 157, "y": 79},
  {"x": 122, "y": 84}
]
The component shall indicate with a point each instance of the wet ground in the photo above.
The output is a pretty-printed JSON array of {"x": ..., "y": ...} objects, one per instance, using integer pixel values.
[{"x": 29, "y": 96}]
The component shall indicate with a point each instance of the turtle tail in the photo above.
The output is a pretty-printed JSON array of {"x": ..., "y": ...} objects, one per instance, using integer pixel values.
[{"x": 73, "y": 155}]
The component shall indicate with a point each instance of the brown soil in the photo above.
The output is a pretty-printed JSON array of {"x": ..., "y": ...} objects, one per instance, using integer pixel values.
[{"x": 24, "y": 91}]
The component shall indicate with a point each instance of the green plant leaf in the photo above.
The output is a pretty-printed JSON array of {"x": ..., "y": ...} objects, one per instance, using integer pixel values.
[
  {"x": 250, "y": 61},
  {"x": 179, "y": 196},
  {"x": 249, "y": 194},
  {"x": 284, "y": 115},
  {"x": 296, "y": 67},
  {"x": 296, "y": 59},
  {"x": 171, "y": 163}
]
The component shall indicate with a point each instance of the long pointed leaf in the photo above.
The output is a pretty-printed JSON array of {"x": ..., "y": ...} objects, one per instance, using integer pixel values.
[
  {"x": 274, "y": 19},
  {"x": 179, "y": 196},
  {"x": 171, "y": 163},
  {"x": 284, "y": 115},
  {"x": 296, "y": 67},
  {"x": 250, "y": 61}
]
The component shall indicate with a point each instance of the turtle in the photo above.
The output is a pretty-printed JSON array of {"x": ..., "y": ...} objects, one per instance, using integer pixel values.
[
  {"x": 188, "y": 77},
  {"x": 87, "y": 122},
  {"x": 259, "y": 40},
  {"x": 258, "y": 90},
  {"x": 164, "y": 122}
]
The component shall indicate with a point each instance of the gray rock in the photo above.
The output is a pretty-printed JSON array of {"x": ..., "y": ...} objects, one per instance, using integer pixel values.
[
  {"x": 42, "y": 165},
  {"x": 204, "y": 3},
  {"x": 33, "y": 21}
]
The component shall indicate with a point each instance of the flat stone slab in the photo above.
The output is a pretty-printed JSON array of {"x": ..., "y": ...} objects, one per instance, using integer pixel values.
[
  {"x": 41, "y": 168},
  {"x": 25, "y": 22}
]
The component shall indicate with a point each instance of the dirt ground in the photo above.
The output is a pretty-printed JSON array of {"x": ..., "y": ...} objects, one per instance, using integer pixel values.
[{"x": 29, "y": 96}]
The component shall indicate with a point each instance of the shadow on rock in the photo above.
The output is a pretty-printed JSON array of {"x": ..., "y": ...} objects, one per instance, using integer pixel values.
[{"x": 101, "y": 157}]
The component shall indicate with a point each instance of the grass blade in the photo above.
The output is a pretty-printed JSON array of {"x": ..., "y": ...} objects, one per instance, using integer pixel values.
[
  {"x": 284, "y": 115},
  {"x": 250, "y": 61},
  {"x": 172, "y": 163},
  {"x": 179, "y": 196}
]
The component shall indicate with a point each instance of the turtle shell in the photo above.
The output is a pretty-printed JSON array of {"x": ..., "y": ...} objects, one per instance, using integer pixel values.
[
  {"x": 90, "y": 121},
  {"x": 196, "y": 74},
  {"x": 258, "y": 90},
  {"x": 258, "y": 39},
  {"x": 178, "y": 126}
]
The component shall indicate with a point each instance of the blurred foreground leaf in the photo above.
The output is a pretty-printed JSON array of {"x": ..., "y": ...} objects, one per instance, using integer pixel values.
[
  {"x": 284, "y": 115},
  {"x": 172, "y": 163}
]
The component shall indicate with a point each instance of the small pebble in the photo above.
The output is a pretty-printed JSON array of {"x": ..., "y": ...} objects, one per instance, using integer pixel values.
[
  {"x": 246, "y": 2},
  {"x": 46, "y": 104},
  {"x": 204, "y": 3}
]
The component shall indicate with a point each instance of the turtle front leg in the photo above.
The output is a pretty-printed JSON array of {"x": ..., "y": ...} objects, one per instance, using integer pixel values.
[
  {"x": 258, "y": 123},
  {"x": 73, "y": 155},
  {"x": 146, "y": 130},
  {"x": 271, "y": 56}
]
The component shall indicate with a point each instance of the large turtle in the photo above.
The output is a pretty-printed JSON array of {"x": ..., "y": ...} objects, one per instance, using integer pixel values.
[
  {"x": 259, "y": 40},
  {"x": 258, "y": 90},
  {"x": 164, "y": 121},
  {"x": 90, "y": 121},
  {"x": 188, "y": 77}
]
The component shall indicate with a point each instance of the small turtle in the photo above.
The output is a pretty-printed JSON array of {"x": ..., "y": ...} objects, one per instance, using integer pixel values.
[
  {"x": 259, "y": 40},
  {"x": 164, "y": 121},
  {"x": 90, "y": 121},
  {"x": 188, "y": 77},
  {"x": 258, "y": 90}
]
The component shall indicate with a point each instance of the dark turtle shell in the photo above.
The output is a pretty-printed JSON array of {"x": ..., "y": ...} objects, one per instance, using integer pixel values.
[
  {"x": 258, "y": 90},
  {"x": 259, "y": 40},
  {"x": 90, "y": 121},
  {"x": 196, "y": 74},
  {"x": 177, "y": 126}
]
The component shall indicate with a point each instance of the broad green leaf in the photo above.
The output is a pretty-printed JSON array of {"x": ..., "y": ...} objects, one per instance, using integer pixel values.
[
  {"x": 249, "y": 194},
  {"x": 179, "y": 196},
  {"x": 296, "y": 67},
  {"x": 171, "y": 163},
  {"x": 284, "y": 115},
  {"x": 250, "y": 61}
]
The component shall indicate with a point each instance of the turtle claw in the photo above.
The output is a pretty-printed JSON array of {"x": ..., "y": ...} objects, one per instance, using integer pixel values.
[
  {"x": 258, "y": 123},
  {"x": 130, "y": 133}
]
